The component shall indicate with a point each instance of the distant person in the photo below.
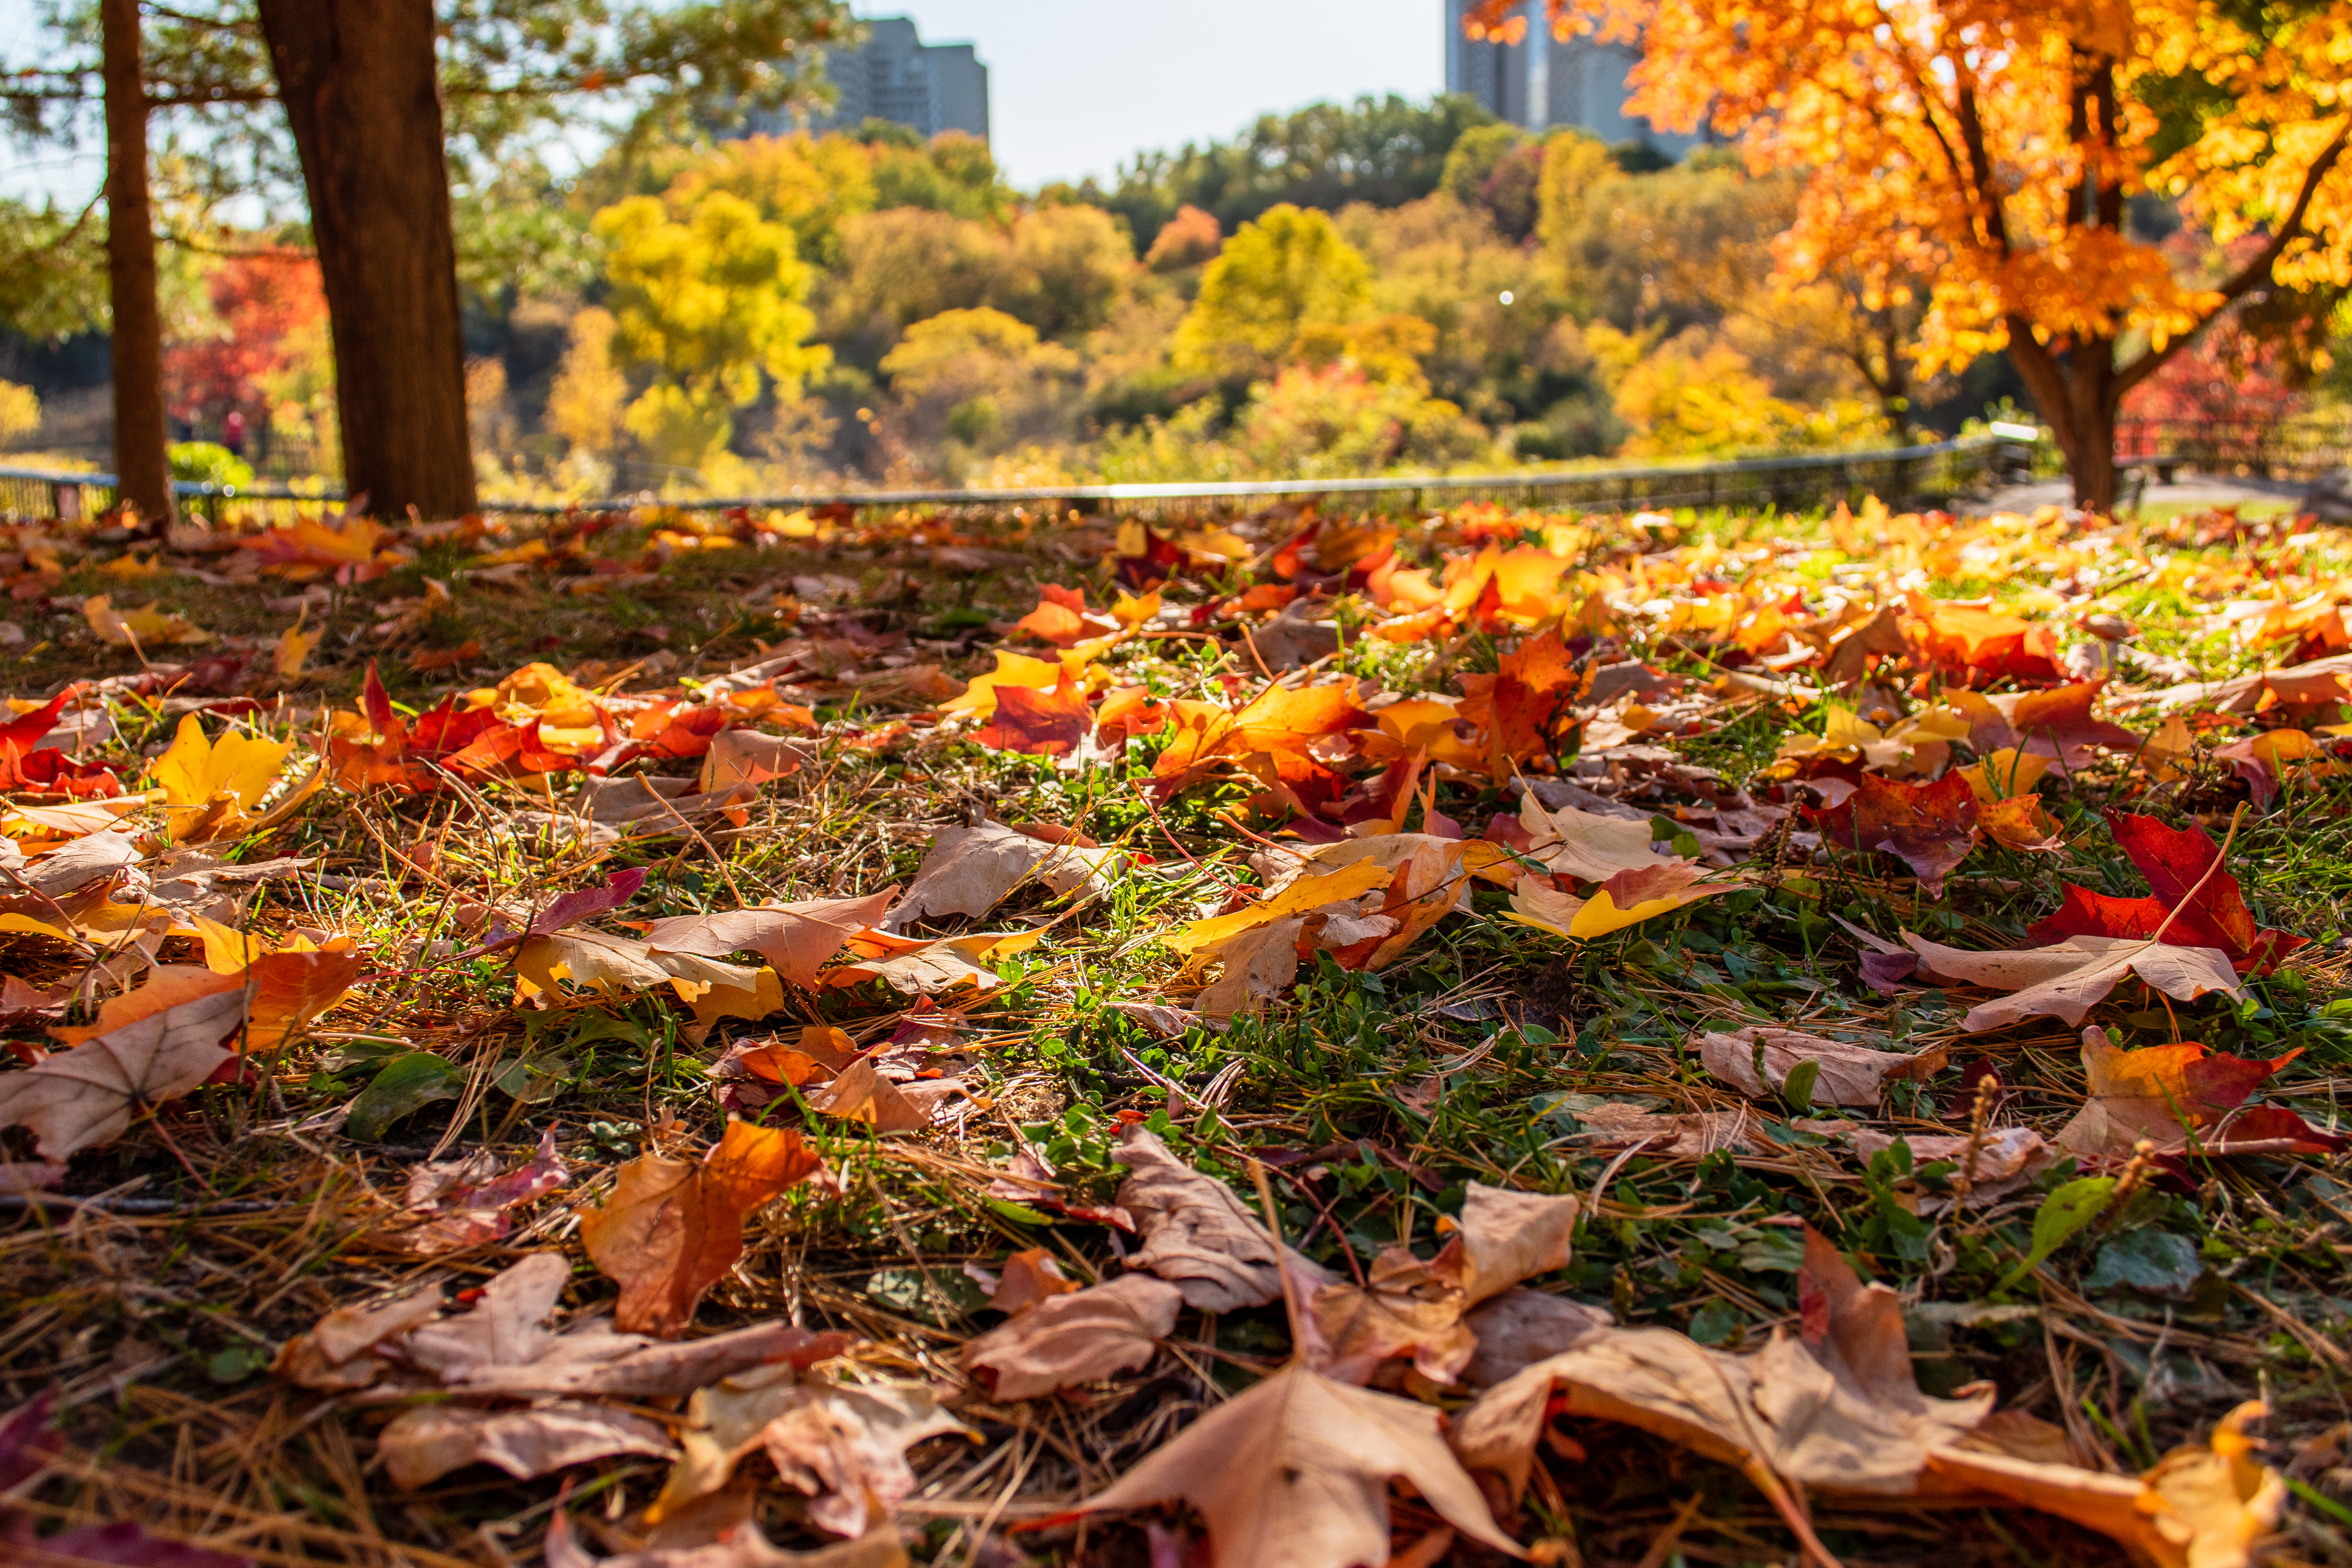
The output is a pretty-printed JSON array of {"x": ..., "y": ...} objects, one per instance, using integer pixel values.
[{"x": 232, "y": 433}]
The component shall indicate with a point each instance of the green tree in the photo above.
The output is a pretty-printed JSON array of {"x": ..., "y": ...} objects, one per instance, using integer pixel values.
[
  {"x": 1067, "y": 270},
  {"x": 978, "y": 380},
  {"x": 708, "y": 303},
  {"x": 1273, "y": 277}
]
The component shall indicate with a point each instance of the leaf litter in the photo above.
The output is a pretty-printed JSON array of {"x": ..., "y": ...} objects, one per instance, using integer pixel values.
[{"x": 1564, "y": 1036}]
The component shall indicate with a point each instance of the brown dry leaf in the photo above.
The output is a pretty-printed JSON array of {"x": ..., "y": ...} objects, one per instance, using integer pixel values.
[
  {"x": 429, "y": 1441},
  {"x": 1260, "y": 964},
  {"x": 1848, "y": 1074},
  {"x": 845, "y": 1445},
  {"x": 1408, "y": 1307},
  {"x": 1520, "y": 1327},
  {"x": 1688, "y": 1133},
  {"x": 739, "y": 1544},
  {"x": 1837, "y": 1409},
  {"x": 860, "y": 1093},
  {"x": 968, "y": 871},
  {"x": 929, "y": 968},
  {"x": 1584, "y": 845},
  {"x": 1196, "y": 1233},
  {"x": 2202, "y": 1506},
  {"x": 2180, "y": 1096},
  {"x": 670, "y": 1229},
  {"x": 1075, "y": 1338},
  {"x": 1030, "y": 1276},
  {"x": 88, "y": 1095},
  {"x": 2065, "y": 980},
  {"x": 1295, "y": 1473},
  {"x": 464, "y": 1204},
  {"x": 796, "y": 938},
  {"x": 740, "y": 759},
  {"x": 2006, "y": 1159}
]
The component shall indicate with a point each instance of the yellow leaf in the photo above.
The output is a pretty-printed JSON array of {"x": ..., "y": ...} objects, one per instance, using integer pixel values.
[
  {"x": 2004, "y": 774},
  {"x": 294, "y": 646},
  {"x": 1307, "y": 893},
  {"x": 146, "y": 627},
  {"x": 979, "y": 699},
  {"x": 196, "y": 771},
  {"x": 227, "y": 951}
]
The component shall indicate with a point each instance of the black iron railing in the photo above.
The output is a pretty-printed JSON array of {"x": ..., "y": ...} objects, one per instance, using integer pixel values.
[{"x": 1808, "y": 478}]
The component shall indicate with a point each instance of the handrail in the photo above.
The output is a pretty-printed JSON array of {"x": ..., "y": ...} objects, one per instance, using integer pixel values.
[{"x": 1804, "y": 462}]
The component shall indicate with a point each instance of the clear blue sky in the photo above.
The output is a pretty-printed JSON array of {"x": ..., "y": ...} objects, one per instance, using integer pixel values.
[{"x": 1075, "y": 86}]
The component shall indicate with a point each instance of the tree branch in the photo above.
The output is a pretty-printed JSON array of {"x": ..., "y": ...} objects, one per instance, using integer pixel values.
[{"x": 2256, "y": 271}]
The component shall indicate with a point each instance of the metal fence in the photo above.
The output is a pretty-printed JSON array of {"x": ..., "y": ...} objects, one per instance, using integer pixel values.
[
  {"x": 2300, "y": 446},
  {"x": 1938, "y": 469}
]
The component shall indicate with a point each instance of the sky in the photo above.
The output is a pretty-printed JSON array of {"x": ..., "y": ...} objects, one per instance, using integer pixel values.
[{"x": 1074, "y": 85}]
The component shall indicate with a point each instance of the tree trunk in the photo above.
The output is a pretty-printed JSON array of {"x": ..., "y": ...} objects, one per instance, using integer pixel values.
[
  {"x": 358, "y": 80},
  {"x": 142, "y": 465},
  {"x": 2077, "y": 393}
]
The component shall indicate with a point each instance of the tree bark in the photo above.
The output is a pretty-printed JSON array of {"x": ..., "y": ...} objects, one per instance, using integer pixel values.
[
  {"x": 2078, "y": 393},
  {"x": 358, "y": 80},
  {"x": 142, "y": 466}
]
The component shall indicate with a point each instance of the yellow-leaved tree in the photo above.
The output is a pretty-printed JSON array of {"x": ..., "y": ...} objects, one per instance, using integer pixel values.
[
  {"x": 709, "y": 303},
  {"x": 1995, "y": 146},
  {"x": 1288, "y": 271}
]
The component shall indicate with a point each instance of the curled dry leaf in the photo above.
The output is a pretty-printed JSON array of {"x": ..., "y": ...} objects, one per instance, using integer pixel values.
[
  {"x": 739, "y": 1545},
  {"x": 2066, "y": 979},
  {"x": 1407, "y": 1306},
  {"x": 968, "y": 871},
  {"x": 1078, "y": 1337},
  {"x": 1295, "y": 1473},
  {"x": 1627, "y": 897},
  {"x": 1847, "y": 1074},
  {"x": 798, "y": 939},
  {"x": 2006, "y": 1158},
  {"x": 88, "y": 1095},
  {"x": 462, "y": 1204},
  {"x": 844, "y": 1445},
  {"x": 1195, "y": 1232},
  {"x": 670, "y": 1229},
  {"x": 1030, "y": 1276},
  {"x": 429, "y": 1441},
  {"x": 1520, "y": 1327}
]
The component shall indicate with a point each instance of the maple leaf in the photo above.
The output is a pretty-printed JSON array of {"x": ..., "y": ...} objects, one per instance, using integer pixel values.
[
  {"x": 1294, "y": 1473},
  {"x": 1061, "y": 617},
  {"x": 2057, "y": 725},
  {"x": 2203, "y": 904},
  {"x": 460, "y": 1204},
  {"x": 27, "y": 764},
  {"x": 1975, "y": 646},
  {"x": 422, "y": 1445},
  {"x": 844, "y": 1445},
  {"x": 1929, "y": 827},
  {"x": 1077, "y": 1337},
  {"x": 1196, "y": 1234},
  {"x": 970, "y": 870},
  {"x": 1625, "y": 899},
  {"x": 743, "y": 758},
  {"x": 1029, "y": 1276},
  {"x": 1040, "y": 723},
  {"x": 1019, "y": 672},
  {"x": 1274, "y": 730},
  {"x": 1752, "y": 1059},
  {"x": 1524, "y": 707},
  {"x": 88, "y": 1094},
  {"x": 799, "y": 939},
  {"x": 2065, "y": 979},
  {"x": 142, "y": 628},
  {"x": 671, "y": 1229},
  {"x": 2182, "y": 1096}
]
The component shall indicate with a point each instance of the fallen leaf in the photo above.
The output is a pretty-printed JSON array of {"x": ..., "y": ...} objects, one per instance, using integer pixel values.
[
  {"x": 1030, "y": 1276},
  {"x": 739, "y": 759},
  {"x": 88, "y": 1095},
  {"x": 463, "y": 1205},
  {"x": 1518, "y": 1328},
  {"x": 1929, "y": 827},
  {"x": 798, "y": 938},
  {"x": 1064, "y": 1340},
  {"x": 1295, "y": 1473},
  {"x": 2179, "y": 1098},
  {"x": 671, "y": 1229},
  {"x": 1195, "y": 1233},
  {"x": 844, "y": 1445},
  {"x": 2066, "y": 979},
  {"x": 1050, "y": 722},
  {"x": 428, "y": 1442},
  {"x": 970, "y": 870},
  {"x": 1847, "y": 1074},
  {"x": 741, "y": 1545},
  {"x": 1586, "y": 845},
  {"x": 142, "y": 628},
  {"x": 1626, "y": 898},
  {"x": 2176, "y": 862},
  {"x": 861, "y": 1094}
]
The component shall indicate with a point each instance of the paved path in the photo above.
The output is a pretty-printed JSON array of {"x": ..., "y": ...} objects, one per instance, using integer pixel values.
[{"x": 2189, "y": 491}]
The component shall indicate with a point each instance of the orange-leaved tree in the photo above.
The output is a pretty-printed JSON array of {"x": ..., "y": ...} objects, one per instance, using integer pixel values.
[{"x": 1997, "y": 145}]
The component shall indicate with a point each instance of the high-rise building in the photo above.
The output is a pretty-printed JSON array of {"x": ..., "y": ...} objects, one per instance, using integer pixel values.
[
  {"x": 895, "y": 76},
  {"x": 1543, "y": 81}
]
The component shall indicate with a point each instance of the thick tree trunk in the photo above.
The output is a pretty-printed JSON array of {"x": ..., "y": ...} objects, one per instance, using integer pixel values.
[
  {"x": 358, "y": 80},
  {"x": 142, "y": 465},
  {"x": 2077, "y": 393}
]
